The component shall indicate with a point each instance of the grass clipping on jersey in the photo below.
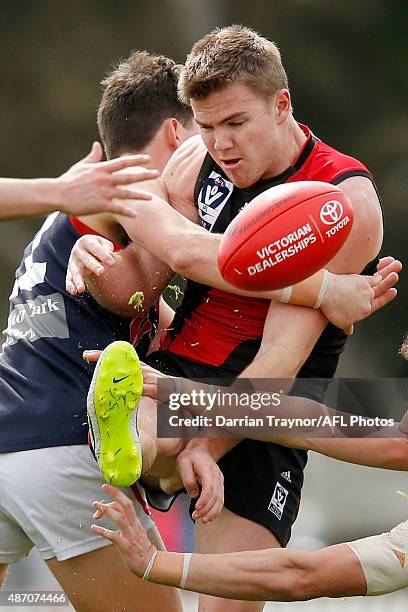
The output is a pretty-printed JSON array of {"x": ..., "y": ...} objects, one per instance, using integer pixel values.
[
  {"x": 136, "y": 300},
  {"x": 176, "y": 290}
]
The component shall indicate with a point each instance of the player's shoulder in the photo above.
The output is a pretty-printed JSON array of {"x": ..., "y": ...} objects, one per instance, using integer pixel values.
[
  {"x": 331, "y": 165},
  {"x": 182, "y": 170},
  {"x": 187, "y": 159},
  {"x": 192, "y": 146}
]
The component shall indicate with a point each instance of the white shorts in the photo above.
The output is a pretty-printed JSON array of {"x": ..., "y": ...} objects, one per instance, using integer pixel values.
[{"x": 46, "y": 500}]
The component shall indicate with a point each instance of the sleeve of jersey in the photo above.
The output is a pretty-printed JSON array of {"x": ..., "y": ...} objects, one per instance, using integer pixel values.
[
  {"x": 83, "y": 229},
  {"x": 347, "y": 168}
]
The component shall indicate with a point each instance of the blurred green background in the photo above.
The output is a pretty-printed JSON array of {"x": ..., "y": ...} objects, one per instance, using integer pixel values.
[{"x": 347, "y": 68}]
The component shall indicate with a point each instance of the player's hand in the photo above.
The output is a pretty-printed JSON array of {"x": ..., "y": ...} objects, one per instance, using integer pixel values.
[
  {"x": 384, "y": 291},
  {"x": 349, "y": 298},
  {"x": 91, "y": 355},
  {"x": 352, "y": 297},
  {"x": 132, "y": 541},
  {"x": 197, "y": 467},
  {"x": 150, "y": 378},
  {"x": 93, "y": 186},
  {"x": 90, "y": 255}
]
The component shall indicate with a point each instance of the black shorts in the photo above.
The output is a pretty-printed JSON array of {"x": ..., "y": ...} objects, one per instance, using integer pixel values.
[{"x": 263, "y": 481}]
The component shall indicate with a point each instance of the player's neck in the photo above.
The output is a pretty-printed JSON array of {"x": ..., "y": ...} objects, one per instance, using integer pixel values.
[
  {"x": 158, "y": 152},
  {"x": 292, "y": 141}
]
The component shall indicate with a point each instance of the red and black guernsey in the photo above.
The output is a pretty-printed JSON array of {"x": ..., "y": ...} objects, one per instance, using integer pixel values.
[{"x": 217, "y": 328}]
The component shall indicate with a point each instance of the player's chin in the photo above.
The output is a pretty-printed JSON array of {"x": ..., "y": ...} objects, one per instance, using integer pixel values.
[
  {"x": 245, "y": 175},
  {"x": 241, "y": 179}
]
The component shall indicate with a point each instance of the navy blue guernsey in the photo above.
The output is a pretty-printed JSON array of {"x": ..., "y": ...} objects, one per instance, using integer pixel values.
[{"x": 43, "y": 378}]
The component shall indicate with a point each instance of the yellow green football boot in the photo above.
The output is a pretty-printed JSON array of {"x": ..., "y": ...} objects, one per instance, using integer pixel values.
[{"x": 113, "y": 397}]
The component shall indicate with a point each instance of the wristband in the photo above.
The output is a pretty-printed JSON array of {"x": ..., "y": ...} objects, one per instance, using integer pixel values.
[
  {"x": 286, "y": 294},
  {"x": 149, "y": 566},
  {"x": 323, "y": 289},
  {"x": 186, "y": 567},
  {"x": 309, "y": 292}
]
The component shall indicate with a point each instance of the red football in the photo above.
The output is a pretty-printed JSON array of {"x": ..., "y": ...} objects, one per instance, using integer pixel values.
[{"x": 284, "y": 235}]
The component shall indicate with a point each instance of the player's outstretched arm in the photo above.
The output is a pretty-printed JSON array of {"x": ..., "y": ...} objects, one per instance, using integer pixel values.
[
  {"x": 89, "y": 186},
  {"x": 370, "y": 566},
  {"x": 192, "y": 251},
  {"x": 326, "y": 435},
  {"x": 348, "y": 297}
]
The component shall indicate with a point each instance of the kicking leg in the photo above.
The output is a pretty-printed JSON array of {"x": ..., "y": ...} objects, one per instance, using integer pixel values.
[{"x": 116, "y": 411}]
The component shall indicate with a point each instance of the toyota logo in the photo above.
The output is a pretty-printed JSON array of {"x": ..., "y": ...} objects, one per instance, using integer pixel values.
[{"x": 331, "y": 212}]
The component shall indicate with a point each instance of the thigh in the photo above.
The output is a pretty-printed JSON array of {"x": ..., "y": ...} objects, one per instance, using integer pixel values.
[
  {"x": 231, "y": 533},
  {"x": 100, "y": 580},
  {"x": 263, "y": 483},
  {"x": 262, "y": 493},
  {"x": 50, "y": 494},
  {"x": 14, "y": 542}
]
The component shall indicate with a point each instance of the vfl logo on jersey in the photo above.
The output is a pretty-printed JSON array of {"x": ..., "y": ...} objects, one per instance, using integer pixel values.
[
  {"x": 212, "y": 198},
  {"x": 278, "y": 500}
]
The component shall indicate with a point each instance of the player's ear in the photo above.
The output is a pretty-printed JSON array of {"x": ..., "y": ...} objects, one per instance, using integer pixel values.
[
  {"x": 172, "y": 131},
  {"x": 283, "y": 104}
]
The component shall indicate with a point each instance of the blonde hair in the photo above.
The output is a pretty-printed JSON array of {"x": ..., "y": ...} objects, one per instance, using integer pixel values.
[{"x": 234, "y": 53}]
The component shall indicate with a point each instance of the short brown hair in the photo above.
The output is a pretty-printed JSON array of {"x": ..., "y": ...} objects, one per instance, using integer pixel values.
[
  {"x": 139, "y": 94},
  {"x": 234, "y": 53}
]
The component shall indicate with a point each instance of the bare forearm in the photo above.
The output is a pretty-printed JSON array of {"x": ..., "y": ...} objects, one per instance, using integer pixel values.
[
  {"x": 186, "y": 247},
  {"x": 217, "y": 447},
  {"x": 326, "y": 435},
  {"x": 386, "y": 453},
  {"x": 28, "y": 197},
  {"x": 251, "y": 575}
]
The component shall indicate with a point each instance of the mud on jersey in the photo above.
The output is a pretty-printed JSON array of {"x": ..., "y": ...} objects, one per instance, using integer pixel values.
[
  {"x": 43, "y": 378},
  {"x": 221, "y": 329}
]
